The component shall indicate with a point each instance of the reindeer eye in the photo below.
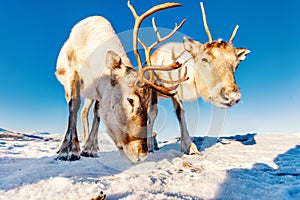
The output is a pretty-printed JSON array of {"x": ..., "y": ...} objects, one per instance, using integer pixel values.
[
  {"x": 204, "y": 60},
  {"x": 130, "y": 101}
]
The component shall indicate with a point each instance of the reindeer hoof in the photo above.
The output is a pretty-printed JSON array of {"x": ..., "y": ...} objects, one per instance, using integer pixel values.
[
  {"x": 150, "y": 151},
  {"x": 68, "y": 157},
  {"x": 89, "y": 154},
  {"x": 192, "y": 150}
]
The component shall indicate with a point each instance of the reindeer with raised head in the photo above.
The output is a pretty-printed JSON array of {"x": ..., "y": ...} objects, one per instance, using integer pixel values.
[
  {"x": 211, "y": 68},
  {"x": 93, "y": 64}
]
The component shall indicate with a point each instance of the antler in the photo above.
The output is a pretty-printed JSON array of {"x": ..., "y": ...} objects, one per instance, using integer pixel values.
[
  {"x": 207, "y": 29},
  {"x": 141, "y": 71},
  {"x": 205, "y": 23},
  {"x": 166, "y": 91},
  {"x": 233, "y": 33},
  {"x": 159, "y": 38},
  {"x": 184, "y": 78}
]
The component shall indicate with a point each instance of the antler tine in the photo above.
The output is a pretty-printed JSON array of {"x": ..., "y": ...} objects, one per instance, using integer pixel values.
[
  {"x": 155, "y": 28},
  {"x": 135, "y": 15},
  {"x": 175, "y": 65},
  {"x": 233, "y": 33},
  {"x": 138, "y": 21},
  {"x": 184, "y": 78},
  {"x": 165, "y": 91},
  {"x": 135, "y": 33},
  {"x": 159, "y": 38},
  {"x": 205, "y": 23},
  {"x": 172, "y": 66}
]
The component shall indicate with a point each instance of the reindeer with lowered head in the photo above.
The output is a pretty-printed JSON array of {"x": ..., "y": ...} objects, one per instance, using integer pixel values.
[{"x": 93, "y": 64}]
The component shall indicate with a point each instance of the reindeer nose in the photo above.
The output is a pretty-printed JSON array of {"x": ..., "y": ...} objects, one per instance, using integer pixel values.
[
  {"x": 234, "y": 101},
  {"x": 232, "y": 97}
]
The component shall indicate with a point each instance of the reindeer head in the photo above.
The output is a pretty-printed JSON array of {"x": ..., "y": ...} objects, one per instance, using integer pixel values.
[
  {"x": 129, "y": 93},
  {"x": 216, "y": 62},
  {"x": 126, "y": 109}
]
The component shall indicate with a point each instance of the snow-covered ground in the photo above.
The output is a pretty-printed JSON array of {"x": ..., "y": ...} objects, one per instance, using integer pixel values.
[{"x": 250, "y": 166}]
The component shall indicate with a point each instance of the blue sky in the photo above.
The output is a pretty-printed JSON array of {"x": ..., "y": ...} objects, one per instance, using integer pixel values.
[{"x": 32, "y": 33}]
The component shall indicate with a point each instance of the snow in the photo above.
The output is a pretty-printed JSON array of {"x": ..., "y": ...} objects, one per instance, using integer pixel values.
[{"x": 249, "y": 166}]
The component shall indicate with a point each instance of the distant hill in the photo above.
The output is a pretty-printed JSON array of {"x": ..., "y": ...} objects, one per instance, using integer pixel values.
[{"x": 2, "y": 130}]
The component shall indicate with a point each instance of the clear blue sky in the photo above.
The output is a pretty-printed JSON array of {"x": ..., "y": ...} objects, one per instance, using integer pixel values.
[{"x": 32, "y": 33}]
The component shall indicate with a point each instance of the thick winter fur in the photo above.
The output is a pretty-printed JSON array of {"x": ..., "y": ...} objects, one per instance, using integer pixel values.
[{"x": 93, "y": 64}]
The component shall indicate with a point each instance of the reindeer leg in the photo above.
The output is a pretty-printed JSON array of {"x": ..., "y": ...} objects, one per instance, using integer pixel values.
[
  {"x": 84, "y": 117},
  {"x": 91, "y": 146},
  {"x": 69, "y": 148},
  {"x": 151, "y": 118},
  {"x": 187, "y": 146}
]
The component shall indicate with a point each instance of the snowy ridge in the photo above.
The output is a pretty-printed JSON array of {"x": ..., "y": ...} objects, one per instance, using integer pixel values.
[{"x": 251, "y": 166}]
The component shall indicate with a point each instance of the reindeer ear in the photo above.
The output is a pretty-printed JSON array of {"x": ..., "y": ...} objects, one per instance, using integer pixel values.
[
  {"x": 190, "y": 45},
  {"x": 241, "y": 53},
  {"x": 114, "y": 62}
]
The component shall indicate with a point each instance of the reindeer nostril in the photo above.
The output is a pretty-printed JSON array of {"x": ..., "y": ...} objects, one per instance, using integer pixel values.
[
  {"x": 223, "y": 95},
  {"x": 233, "y": 102}
]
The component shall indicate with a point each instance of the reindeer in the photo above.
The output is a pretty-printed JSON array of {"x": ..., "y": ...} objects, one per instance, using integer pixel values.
[
  {"x": 211, "y": 68},
  {"x": 121, "y": 93}
]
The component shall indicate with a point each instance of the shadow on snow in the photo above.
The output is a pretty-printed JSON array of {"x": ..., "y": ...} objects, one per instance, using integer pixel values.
[
  {"x": 205, "y": 142},
  {"x": 263, "y": 181}
]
